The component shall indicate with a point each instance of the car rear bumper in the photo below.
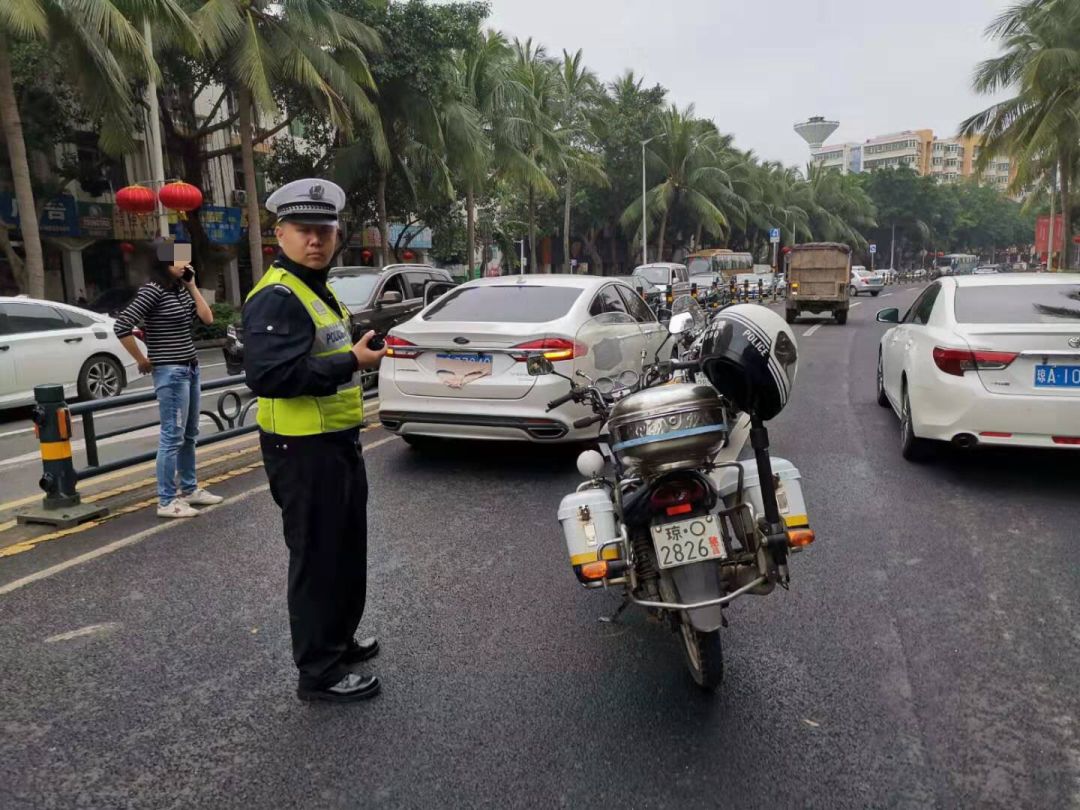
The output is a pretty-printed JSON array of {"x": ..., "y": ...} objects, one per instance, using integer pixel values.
[
  {"x": 525, "y": 419},
  {"x": 961, "y": 409}
]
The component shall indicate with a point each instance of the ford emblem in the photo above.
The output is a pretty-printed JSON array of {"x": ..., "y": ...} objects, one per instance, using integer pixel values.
[
  {"x": 461, "y": 341},
  {"x": 1074, "y": 342}
]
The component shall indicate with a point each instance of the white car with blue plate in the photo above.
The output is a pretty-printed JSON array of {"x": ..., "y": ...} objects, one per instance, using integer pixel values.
[{"x": 985, "y": 360}]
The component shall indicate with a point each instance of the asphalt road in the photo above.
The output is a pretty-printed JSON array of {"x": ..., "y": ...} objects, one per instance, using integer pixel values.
[
  {"x": 20, "y": 465},
  {"x": 926, "y": 654}
]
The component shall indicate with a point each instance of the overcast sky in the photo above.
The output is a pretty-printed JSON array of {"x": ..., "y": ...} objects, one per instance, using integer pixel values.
[{"x": 757, "y": 66}]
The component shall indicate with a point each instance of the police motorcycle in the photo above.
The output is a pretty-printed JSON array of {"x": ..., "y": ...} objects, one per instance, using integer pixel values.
[{"x": 670, "y": 514}]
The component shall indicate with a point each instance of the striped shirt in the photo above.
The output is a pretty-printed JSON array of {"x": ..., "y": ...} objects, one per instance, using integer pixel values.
[{"x": 166, "y": 314}]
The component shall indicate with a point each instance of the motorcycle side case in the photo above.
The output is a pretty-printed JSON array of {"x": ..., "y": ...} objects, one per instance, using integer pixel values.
[
  {"x": 789, "y": 495},
  {"x": 588, "y": 522}
]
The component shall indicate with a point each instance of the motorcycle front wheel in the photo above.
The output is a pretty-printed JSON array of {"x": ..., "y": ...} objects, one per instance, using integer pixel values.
[{"x": 704, "y": 655}]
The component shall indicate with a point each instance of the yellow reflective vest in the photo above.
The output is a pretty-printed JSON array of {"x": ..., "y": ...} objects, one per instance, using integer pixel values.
[{"x": 308, "y": 415}]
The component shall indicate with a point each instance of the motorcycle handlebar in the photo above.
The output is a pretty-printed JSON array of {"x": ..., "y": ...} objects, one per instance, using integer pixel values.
[
  {"x": 555, "y": 403},
  {"x": 585, "y": 421},
  {"x": 689, "y": 365}
]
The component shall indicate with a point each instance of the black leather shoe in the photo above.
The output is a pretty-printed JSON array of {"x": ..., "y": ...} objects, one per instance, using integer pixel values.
[
  {"x": 350, "y": 689},
  {"x": 360, "y": 651}
]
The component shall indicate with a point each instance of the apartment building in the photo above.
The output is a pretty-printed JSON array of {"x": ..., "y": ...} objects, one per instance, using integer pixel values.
[{"x": 948, "y": 160}]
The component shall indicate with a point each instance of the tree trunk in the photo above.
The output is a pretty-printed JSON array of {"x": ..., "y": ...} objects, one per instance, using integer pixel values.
[
  {"x": 470, "y": 227},
  {"x": 594, "y": 254},
  {"x": 532, "y": 231},
  {"x": 1066, "y": 213},
  {"x": 566, "y": 226},
  {"x": 660, "y": 242},
  {"x": 613, "y": 243},
  {"x": 247, "y": 159},
  {"x": 18, "y": 266},
  {"x": 384, "y": 227},
  {"x": 20, "y": 176},
  {"x": 697, "y": 236}
]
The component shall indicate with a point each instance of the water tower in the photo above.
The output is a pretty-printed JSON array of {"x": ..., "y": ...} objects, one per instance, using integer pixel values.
[{"x": 816, "y": 130}]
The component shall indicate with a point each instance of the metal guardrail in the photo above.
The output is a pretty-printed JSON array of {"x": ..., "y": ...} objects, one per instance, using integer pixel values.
[{"x": 53, "y": 417}]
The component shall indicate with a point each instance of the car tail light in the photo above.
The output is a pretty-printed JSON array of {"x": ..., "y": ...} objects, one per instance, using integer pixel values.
[
  {"x": 678, "y": 497},
  {"x": 552, "y": 348},
  {"x": 1066, "y": 439},
  {"x": 399, "y": 348},
  {"x": 958, "y": 361}
]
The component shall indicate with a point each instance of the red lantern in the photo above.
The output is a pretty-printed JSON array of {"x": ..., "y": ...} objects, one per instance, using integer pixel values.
[
  {"x": 180, "y": 196},
  {"x": 365, "y": 254},
  {"x": 268, "y": 251},
  {"x": 127, "y": 248},
  {"x": 941, "y": 254},
  {"x": 136, "y": 200},
  {"x": 785, "y": 250},
  {"x": 408, "y": 255}
]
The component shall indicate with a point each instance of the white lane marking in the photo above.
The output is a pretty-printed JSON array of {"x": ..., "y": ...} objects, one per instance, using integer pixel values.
[
  {"x": 129, "y": 409},
  {"x": 138, "y": 537},
  {"x": 856, "y": 304},
  {"x": 811, "y": 330},
  {"x": 89, "y": 630},
  {"x": 885, "y": 295}
]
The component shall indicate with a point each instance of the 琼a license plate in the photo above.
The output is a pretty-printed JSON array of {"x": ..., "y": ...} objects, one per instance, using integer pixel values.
[
  {"x": 688, "y": 541},
  {"x": 458, "y": 370},
  {"x": 1057, "y": 376}
]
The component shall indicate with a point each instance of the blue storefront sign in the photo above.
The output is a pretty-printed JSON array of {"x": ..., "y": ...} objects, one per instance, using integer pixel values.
[
  {"x": 222, "y": 225},
  {"x": 59, "y": 216}
]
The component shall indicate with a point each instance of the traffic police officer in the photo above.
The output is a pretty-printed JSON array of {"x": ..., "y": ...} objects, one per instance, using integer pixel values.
[{"x": 302, "y": 364}]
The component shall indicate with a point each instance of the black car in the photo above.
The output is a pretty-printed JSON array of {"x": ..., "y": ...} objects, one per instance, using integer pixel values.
[{"x": 376, "y": 299}]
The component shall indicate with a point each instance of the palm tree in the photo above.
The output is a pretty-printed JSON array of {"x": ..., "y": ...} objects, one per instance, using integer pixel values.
[
  {"x": 304, "y": 44},
  {"x": 542, "y": 146},
  {"x": 1039, "y": 126},
  {"x": 105, "y": 50},
  {"x": 578, "y": 100},
  {"x": 687, "y": 155},
  {"x": 839, "y": 207}
]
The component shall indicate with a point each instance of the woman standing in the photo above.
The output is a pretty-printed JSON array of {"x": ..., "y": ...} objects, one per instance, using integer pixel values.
[{"x": 166, "y": 305}]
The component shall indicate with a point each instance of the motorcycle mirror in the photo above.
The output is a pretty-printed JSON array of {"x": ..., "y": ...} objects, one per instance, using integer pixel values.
[
  {"x": 537, "y": 366},
  {"x": 680, "y": 323}
]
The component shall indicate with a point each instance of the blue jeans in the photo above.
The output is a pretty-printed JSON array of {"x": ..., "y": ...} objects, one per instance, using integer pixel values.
[{"x": 177, "y": 389}]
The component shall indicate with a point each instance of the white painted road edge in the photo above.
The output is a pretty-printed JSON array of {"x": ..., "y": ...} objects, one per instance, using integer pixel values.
[
  {"x": 811, "y": 330},
  {"x": 138, "y": 537}
]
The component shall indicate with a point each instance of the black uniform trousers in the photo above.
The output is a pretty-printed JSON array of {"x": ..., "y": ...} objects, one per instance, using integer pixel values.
[{"x": 320, "y": 484}]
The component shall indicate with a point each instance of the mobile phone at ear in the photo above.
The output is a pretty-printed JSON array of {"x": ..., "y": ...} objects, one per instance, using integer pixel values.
[{"x": 189, "y": 274}]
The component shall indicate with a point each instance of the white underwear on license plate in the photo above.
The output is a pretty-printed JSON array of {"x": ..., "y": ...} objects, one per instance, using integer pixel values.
[{"x": 688, "y": 541}]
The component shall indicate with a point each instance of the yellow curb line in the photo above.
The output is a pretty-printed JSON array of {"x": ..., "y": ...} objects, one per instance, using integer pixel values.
[{"x": 27, "y": 545}]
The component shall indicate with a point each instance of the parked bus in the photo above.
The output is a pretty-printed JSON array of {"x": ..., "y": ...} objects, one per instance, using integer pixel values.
[
  {"x": 957, "y": 264},
  {"x": 719, "y": 262}
]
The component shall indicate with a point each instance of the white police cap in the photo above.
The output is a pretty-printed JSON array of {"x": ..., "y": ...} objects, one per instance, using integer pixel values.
[{"x": 312, "y": 200}]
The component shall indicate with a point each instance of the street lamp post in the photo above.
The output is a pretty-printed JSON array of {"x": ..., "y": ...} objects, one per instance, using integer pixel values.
[
  {"x": 644, "y": 190},
  {"x": 522, "y": 243}
]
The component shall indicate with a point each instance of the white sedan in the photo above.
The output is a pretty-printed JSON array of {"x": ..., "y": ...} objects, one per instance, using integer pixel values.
[
  {"x": 457, "y": 369},
  {"x": 48, "y": 342},
  {"x": 985, "y": 360},
  {"x": 863, "y": 281}
]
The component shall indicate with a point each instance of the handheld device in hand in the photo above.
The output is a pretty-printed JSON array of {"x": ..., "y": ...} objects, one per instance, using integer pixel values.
[
  {"x": 189, "y": 273},
  {"x": 377, "y": 342}
]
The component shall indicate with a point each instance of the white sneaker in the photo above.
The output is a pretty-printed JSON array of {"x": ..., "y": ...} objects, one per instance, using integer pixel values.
[
  {"x": 177, "y": 509},
  {"x": 201, "y": 497}
]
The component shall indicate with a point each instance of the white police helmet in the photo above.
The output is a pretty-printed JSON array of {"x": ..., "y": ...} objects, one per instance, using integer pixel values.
[{"x": 750, "y": 356}]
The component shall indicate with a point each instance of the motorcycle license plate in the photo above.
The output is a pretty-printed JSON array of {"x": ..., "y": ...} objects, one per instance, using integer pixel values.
[{"x": 688, "y": 541}]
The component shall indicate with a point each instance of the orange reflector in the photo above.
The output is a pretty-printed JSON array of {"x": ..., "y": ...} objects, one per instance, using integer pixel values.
[
  {"x": 798, "y": 538},
  {"x": 681, "y": 509},
  {"x": 594, "y": 570}
]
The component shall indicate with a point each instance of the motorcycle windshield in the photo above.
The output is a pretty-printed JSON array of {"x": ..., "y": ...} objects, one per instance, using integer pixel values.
[
  {"x": 686, "y": 303},
  {"x": 608, "y": 345}
]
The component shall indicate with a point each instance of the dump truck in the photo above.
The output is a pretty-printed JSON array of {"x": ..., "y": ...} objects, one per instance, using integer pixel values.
[{"x": 818, "y": 274}]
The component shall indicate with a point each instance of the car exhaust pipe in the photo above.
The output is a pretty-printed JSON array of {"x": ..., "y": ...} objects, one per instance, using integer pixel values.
[{"x": 965, "y": 441}]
